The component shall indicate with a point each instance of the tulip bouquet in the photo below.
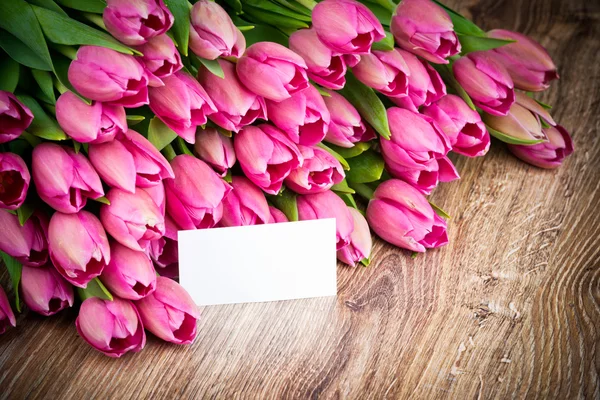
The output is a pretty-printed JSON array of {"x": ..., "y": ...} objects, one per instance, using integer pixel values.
[{"x": 122, "y": 122}]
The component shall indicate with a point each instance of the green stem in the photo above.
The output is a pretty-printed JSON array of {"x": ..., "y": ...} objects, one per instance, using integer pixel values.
[
  {"x": 60, "y": 87},
  {"x": 183, "y": 146},
  {"x": 95, "y": 19},
  {"x": 362, "y": 189},
  {"x": 310, "y": 4},
  {"x": 169, "y": 152},
  {"x": 67, "y": 51},
  {"x": 31, "y": 139}
]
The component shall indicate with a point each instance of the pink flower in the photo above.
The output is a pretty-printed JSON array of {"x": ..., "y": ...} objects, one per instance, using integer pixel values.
[
  {"x": 245, "y": 204},
  {"x": 129, "y": 274},
  {"x": 7, "y": 317},
  {"x": 385, "y": 71},
  {"x": 27, "y": 243},
  {"x": 346, "y": 127},
  {"x": 165, "y": 254},
  {"x": 215, "y": 149},
  {"x": 319, "y": 172},
  {"x": 360, "y": 241},
  {"x": 14, "y": 181},
  {"x": 15, "y": 117},
  {"x": 134, "y": 22},
  {"x": 276, "y": 216},
  {"x": 160, "y": 60},
  {"x": 548, "y": 154},
  {"x": 45, "y": 291}
]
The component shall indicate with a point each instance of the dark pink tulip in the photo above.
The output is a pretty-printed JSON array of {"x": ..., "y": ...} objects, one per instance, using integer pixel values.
[
  {"x": 304, "y": 117},
  {"x": 486, "y": 81},
  {"x": 215, "y": 149},
  {"x": 400, "y": 215},
  {"x": 129, "y": 274},
  {"x": 272, "y": 71},
  {"x": 360, "y": 241},
  {"x": 161, "y": 59},
  {"x": 7, "y": 317},
  {"x": 385, "y": 71},
  {"x": 85, "y": 123},
  {"x": 134, "y": 22},
  {"x": 462, "y": 125},
  {"x": 319, "y": 172},
  {"x": 111, "y": 327},
  {"x": 165, "y": 253},
  {"x": 425, "y": 29},
  {"x": 14, "y": 181},
  {"x": 78, "y": 246},
  {"x": 527, "y": 62},
  {"x": 182, "y": 104},
  {"x": 236, "y": 105},
  {"x": 346, "y": 127},
  {"x": 15, "y": 117},
  {"x": 106, "y": 75},
  {"x": 276, "y": 216},
  {"x": 195, "y": 196},
  {"x": 548, "y": 154},
  {"x": 45, "y": 291},
  {"x": 132, "y": 219},
  {"x": 245, "y": 204},
  {"x": 346, "y": 26},
  {"x": 170, "y": 312},
  {"x": 129, "y": 161},
  {"x": 64, "y": 179},
  {"x": 417, "y": 150},
  {"x": 266, "y": 155},
  {"x": 27, "y": 243}
]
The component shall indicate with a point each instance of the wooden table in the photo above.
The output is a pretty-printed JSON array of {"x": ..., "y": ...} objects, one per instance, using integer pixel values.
[{"x": 510, "y": 308}]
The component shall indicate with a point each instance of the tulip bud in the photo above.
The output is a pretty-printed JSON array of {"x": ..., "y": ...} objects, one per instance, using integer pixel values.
[
  {"x": 132, "y": 219},
  {"x": 160, "y": 60},
  {"x": 165, "y": 254},
  {"x": 319, "y": 172},
  {"x": 245, "y": 204},
  {"x": 527, "y": 62},
  {"x": 64, "y": 179},
  {"x": 346, "y": 127},
  {"x": 304, "y": 117},
  {"x": 85, "y": 123},
  {"x": 548, "y": 154},
  {"x": 360, "y": 241},
  {"x": 266, "y": 155},
  {"x": 78, "y": 246},
  {"x": 158, "y": 195},
  {"x": 276, "y": 216},
  {"x": 425, "y": 29},
  {"x": 416, "y": 151},
  {"x": 7, "y": 317},
  {"x": 346, "y": 26},
  {"x": 236, "y": 105},
  {"x": 328, "y": 205},
  {"x": 462, "y": 125},
  {"x": 106, "y": 75},
  {"x": 215, "y": 149},
  {"x": 129, "y": 274},
  {"x": 28, "y": 244},
  {"x": 195, "y": 196},
  {"x": 111, "y": 327},
  {"x": 182, "y": 104},
  {"x": 134, "y": 22},
  {"x": 14, "y": 181},
  {"x": 45, "y": 291},
  {"x": 486, "y": 81},
  {"x": 400, "y": 215},
  {"x": 169, "y": 312},
  {"x": 385, "y": 71},
  {"x": 272, "y": 71},
  {"x": 129, "y": 161},
  {"x": 15, "y": 117}
]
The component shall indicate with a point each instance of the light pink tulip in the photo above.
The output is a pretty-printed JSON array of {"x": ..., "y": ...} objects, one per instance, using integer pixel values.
[
  {"x": 27, "y": 243},
  {"x": 158, "y": 195},
  {"x": 15, "y": 117},
  {"x": 266, "y": 155},
  {"x": 160, "y": 59},
  {"x": 385, "y": 71},
  {"x": 245, "y": 204},
  {"x": 319, "y": 172},
  {"x": 129, "y": 274},
  {"x": 45, "y": 291},
  {"x": 7, "y": 317},
  {"x": 215, "y": 149},
  {"x": 400, "y": 215},
  {"x": 14, "y": 181},
  {"x": 346, "y": 127},
  {"x": 134, "y": 22},
  {"x": 548, "y": 154},
  {"x": 276, "y": 216},
  {"x": 360, "y": 241}
]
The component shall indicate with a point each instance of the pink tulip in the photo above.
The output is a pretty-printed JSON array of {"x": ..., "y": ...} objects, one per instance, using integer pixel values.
[
  {"x": 15, "y": 117},
  {"x": 346, "y": 26},
  {"x": 328, "y": 205},
  {"x": 319, "y": 172},
  {"x": 215, "y": 149},
  {"x": 129, "y": 161},
  {"x": 160, "y": 59},
  {"x": 14, "y": 181},
  {"x": 165, "y": 253},
  {"x": 400, "y": 215},
  {"x": 486, "y": 81},
  {"x": 134, "y": 22},
  {"x": 425, "y": 29},
  {"x": 527, "y": 62},
  {"x": 132, "y": 219},
  {"x": 45, "y": 291},
  {"x": 85, "y": 123},
  {"x": 325, "y": 67},
  {"x": 213, "y": 33},
  {"x": 245, "y": 204},
  {"x": 360, "y": 241},
  {"x": 417, "y": 150},
  {"x": 106, "y": 75},
  {"x": 170, "y": 312},
  {"x": 111, "y": 327},
  {"x": 346, "y": 127},
  {"x": 548, "y": 154},
  {"x": 272, "y": 71},
  {"x": 266, "y": 155},
  {"x": 27, "y": 243},
  {"x": 7, "y": 317},
  {"x": 129, "y": 274},
  {"x": 195, "y": 196},
  {"x": 385, "y": 71},
  {"x": 182, "y": 104},
  {"x": 64, "y": 179},
  {"x": 158, "y": 195},
  {"x": 78, "y": 246},
  {"x": 462, "y": 125},
  {"x": 303, "y": 117},
  {"x": 236, "y": 105},
  {"x": 276, "y": 216}
]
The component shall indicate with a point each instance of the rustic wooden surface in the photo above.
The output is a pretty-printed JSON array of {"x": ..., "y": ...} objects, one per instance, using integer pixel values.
[{"x": 511, "y": 308}]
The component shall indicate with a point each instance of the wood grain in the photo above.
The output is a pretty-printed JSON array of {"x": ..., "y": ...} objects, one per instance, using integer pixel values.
[{"x": 510, "y": 309}]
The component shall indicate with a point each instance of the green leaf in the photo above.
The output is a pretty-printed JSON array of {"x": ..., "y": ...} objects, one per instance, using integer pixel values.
[
  {"x": 14, "y": 270},
  {"x": 336, "y": 155},
  {"x": 286, "y": 202},
  {"x": 277, "y": 9},
  {"x": 321, "y": 90},
  {"x": 235, "y": 4},
  {"x": 213, "y": 66},
  {"x": 546, "y": 106},
  {"x": 94, "y": 288},
  {"x": 367, "y": 103},
  {"x": 181, "y": 27},
  {"x": 350, "y": 152},
  {"x": 44, "y": 79},
  {"x": 264, "y": 33},
  {"x": 182, "y": 145},
  {"x": 511, "y": 139},
  {"x": 445, "y": 72},
  {"x": 461, "y": 24},
  {"x": 439, "y": 211},
  {"x": 92, "y": 6},
  {"x": 25, "y": 212},
  {"x": 348, "y": 199},
  {"x": 50, "y": 5},
  {"x": 43, "y": 125},
  {"x": 385, "y": 44},
  {"x": 274, "y": 19},
  {"x": 102, "y": 200},
  {"x": 342, "y": 187},
  {"x": 383, "y": 15},
  {"x": 159, "y": 134},
  {"x": 76, "y": 146},
  {"x": 134, "y": 119},
  {"x": 366, "y": 167},
  {"x": 9, "y": 74},
  {"x": 18, "y": 51},
  {"x": 293, "y": 5},
  {"x": 470, "y": 43}
]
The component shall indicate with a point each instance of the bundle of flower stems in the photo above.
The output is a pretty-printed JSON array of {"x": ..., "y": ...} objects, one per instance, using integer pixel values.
[{"x": 123, "y": 122}]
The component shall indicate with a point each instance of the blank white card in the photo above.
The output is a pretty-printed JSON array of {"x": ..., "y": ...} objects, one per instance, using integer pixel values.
[{"x": 283, "y": 261}]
